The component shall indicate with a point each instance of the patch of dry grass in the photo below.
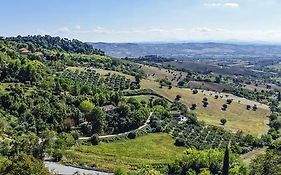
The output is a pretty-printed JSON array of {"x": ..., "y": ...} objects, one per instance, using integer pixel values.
[
  {"x": 160, "y": 73},
  {"x": 238, "y": 117}
]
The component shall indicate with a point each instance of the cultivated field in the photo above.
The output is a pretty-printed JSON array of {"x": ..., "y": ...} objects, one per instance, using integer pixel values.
[
  {"x": 151, "y": 149},
  {"x": 238, "y": 117},
  {"x": 102, "y": 72}
]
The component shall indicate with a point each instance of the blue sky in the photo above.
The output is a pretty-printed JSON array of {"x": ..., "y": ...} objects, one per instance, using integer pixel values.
[{"x": 144, "y": 20}]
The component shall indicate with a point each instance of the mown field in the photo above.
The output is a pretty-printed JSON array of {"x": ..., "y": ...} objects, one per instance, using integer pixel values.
[
  {"x": 238, "y": 117},
  {"x": 152, "y": 149}
]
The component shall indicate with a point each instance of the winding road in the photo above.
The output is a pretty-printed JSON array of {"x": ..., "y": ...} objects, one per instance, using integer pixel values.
[
  {"x": 123, "y": 133},
  {"x": 69, "y": 170}
]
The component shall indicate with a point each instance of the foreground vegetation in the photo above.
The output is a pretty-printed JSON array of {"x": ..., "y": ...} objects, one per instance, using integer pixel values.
[{"x": 152, "y": 150}]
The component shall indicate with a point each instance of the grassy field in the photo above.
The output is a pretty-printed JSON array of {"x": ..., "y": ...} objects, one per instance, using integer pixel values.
[
  {"x": 142, "y": 97},
  {"x": 160, "y": 73},
  {"x": 151, "y": 149},
  {"x": 238, "y": 118}
]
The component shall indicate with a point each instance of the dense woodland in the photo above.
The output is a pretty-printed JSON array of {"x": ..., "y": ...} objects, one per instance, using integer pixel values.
[{"x": 46, "y": 107}]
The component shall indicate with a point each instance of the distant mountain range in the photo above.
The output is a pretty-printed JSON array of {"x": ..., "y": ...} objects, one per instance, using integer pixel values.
[{"x": 191, "y": 50}]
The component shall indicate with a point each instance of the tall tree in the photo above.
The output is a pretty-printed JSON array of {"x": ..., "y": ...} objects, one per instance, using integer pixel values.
[
  {"x": 97, "y": 118},
  {"x": 225, "y": 170}
]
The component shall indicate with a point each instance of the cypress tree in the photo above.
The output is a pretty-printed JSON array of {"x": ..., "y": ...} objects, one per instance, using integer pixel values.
[{"x": 226, "y": 162}]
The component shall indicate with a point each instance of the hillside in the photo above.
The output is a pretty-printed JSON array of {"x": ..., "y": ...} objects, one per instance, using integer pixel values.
[
  {"x": 78, "y": 106},
  {"x": 190, "y": 50},
  {"x": 237, "y": 115}
]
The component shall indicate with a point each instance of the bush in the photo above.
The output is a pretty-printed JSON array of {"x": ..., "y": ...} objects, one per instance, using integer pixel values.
[
  {"x": 205, "y": 103},
  {"x": 224, "y": 107},
  {"x": 94, "y": 139},
  {"x": 193, "y": 106},
  {"x": 180, "y": 142},
  {"x": 132, "y": 135},
  {"x": 178, "y": 97},
  {"x": 86, "y": 106},
  {"x": 57, "y": 155},
  {"x": 255, "y": 107},
  {"x": 223, "y": 121},
  {"x": 195, "y": 91},
  {"x": 229, "y": 101},
  {"x": 24, "y": 164}
]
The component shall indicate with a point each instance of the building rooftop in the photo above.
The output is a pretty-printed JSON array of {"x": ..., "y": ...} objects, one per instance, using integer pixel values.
[{"x": 108, "y": 108}]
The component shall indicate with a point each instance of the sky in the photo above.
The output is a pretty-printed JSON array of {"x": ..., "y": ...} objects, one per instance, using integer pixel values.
[{"x": 144, "y": 20}]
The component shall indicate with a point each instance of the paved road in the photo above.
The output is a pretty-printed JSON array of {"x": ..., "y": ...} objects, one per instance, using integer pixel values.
[
  {"x": 124, "y": 133},
  {"x": 69, "y": 170}
]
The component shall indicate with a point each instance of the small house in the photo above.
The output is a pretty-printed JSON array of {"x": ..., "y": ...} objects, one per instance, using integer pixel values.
[
  {"x": 108, "y": 108},
  {"x": 178, "y": 116}
]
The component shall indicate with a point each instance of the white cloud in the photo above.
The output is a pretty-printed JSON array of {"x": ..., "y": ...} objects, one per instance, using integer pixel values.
[
  {"x": 213, "y": 4},
  {"x": 231, "y": 5},
  {"x": 225, "y": 5}
]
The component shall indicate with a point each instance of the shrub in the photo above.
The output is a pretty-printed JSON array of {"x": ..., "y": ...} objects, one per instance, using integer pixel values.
[
  {"x": 94, "y": 139},
  {"x": 195, "y": 91},
  {"x": 224, "y": 107},
  {"x": 57, "y": 155},
  {"x": 180, "y": 142},
  {"x": 193, "y": 106},
  {"x": 132, "y": 135},
  {"x": 205, "y": 104},
  {"x": 178, "y": 97},
  {"x": 86, "y": 106},
  {"x": 255, "y": 107},
  {"x": 223, "y": 121},
  {"x": 229, "y": 101}
]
